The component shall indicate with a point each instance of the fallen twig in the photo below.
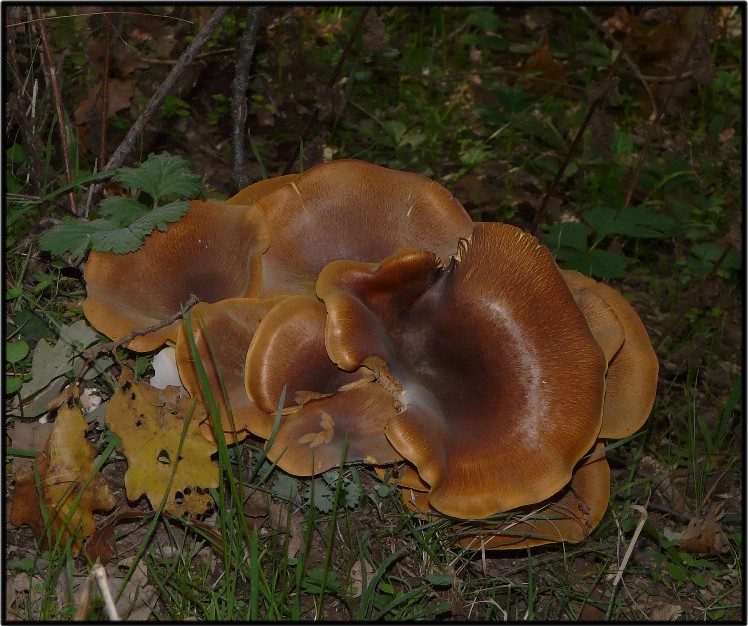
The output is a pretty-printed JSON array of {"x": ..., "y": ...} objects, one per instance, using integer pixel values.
[
  {"x": 113, "y": 345},
  {"x": 128, "y": 143},
  {"x": 52, "y": 77},
  {"x": 239, "y": 96}
]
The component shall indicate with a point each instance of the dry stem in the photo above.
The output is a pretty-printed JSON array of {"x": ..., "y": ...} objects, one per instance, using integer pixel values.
[{"x": 52, "y": 76}]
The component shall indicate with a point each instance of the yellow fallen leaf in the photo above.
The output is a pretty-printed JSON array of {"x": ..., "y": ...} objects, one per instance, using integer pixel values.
[
  {"x": 151, "y": 428},
  {"x": 65, "y": 467}
]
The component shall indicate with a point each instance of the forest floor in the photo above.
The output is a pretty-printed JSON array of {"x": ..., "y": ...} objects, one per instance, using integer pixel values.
[{"x": 486, "y": 101}]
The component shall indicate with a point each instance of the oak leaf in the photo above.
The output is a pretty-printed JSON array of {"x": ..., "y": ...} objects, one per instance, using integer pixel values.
[
  {"x": 151, "y": 428},
  {"x": 69, "y": 492}
]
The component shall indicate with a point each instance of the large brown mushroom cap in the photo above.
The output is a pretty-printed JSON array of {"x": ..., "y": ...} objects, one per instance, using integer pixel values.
[
  {"x": 497, "y": 374},
  {"x": 345, "y": 427},
  {"x": 288, "y": 350},
  {"x": 213, "y": 252},
  {"x": 222, "y": 333},
  {"x": 354, "y": 210},
  {"x": 251, "y": 194},
  {"x": 631, "y": 380},
  {"x": 570, "y": 515}
]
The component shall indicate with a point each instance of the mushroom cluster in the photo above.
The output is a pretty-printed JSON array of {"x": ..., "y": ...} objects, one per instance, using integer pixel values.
[{"x": 406, "y": 336}]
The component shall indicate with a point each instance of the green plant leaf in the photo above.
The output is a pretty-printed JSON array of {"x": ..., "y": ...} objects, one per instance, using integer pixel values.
[
  {"x": 161, "y": 175},
  {"x": 323, "y": 497},
  {"x": 285, "y": 487},
  {"x": 73, "y": 236},
  {"x": 121, "y": 210},
  {"x": 632, "y": 222},
  {"x": 572, "y": 235},
  {"x": 600, "y": 263},
  {"x": 16, "y": 351}
]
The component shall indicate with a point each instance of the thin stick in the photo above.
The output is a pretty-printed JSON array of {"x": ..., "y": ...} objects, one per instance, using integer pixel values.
[
  {"x": 239, "y": 96},
  {"x": 128, "y": 143},
  {"x": 311, "y": 124},
  {"x": 101, "y": 578},
  {"x": 113, "y": 345},
  {"x": 52, "y": 71},
  {"x": 632, "y": 543}
]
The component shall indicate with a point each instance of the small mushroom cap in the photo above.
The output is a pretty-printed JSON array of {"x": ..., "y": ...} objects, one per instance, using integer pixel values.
[
  {"x": 498, "y": 378},
  {"x": 631, "y": 380},
  {"x": 288, "y": 350},
  {"x": 570, "y": 515},
  {"x": 345, "y": 427},
  {"x": 350, "y": 209},
  {"x": 213, "y": 252},
  {"x": 223, "y": 332},
  {"x": 251, "y": 194}
]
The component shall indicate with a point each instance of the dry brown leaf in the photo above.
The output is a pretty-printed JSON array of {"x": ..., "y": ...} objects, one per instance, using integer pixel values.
[
  {"x": 664, "y": 612},
  {"x": 119, "y": 94},
  {"x": 704, "y": 535},
  {"x": 28, "y": 436},
  {"x": 151, "y": 429},
  {"x": 65, "y": 467},
  {"x": 357, "y": 577},
  {"x": 541, "y": 61}
]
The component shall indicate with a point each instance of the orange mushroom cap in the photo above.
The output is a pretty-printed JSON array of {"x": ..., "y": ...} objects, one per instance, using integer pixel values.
[
  {"x": 569, "y": 515},
  {"x": 222, "y": 333},
  {"x": 351, "y": 209},
  {"x": 314, "y": 438},
  {"x": 254, "y": 192},
  {"x": 631, "y": 380},
  {"x": 497, "y": 374},
  {"x": 288, "y": 350},
  {"x": 213, "y": 252}
]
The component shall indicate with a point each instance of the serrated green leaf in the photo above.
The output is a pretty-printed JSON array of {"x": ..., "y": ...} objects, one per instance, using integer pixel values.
[
  {"x": 121, "y": 210},
  {"x": 130, "y": 238},
  {"x": 285, "y": 487},
  {"x": 352, "y": 494},
  {"x": 161, "y": 216},
  {"x": 323, "y": 497},
  {"x": 331, "y": 476},
  {"x": 161, "y": 175},
  {"x": 119, "y": 240},
  {"x": 74, "y": 236}
]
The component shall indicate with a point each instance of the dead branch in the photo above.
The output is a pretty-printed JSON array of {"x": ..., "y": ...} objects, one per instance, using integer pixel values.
[
  {"x": 91, "y": 352},
  {"x": 52, "y": 78},
  {"x": 128, "y": 143},
  {"x": 239, "y": 96}
]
